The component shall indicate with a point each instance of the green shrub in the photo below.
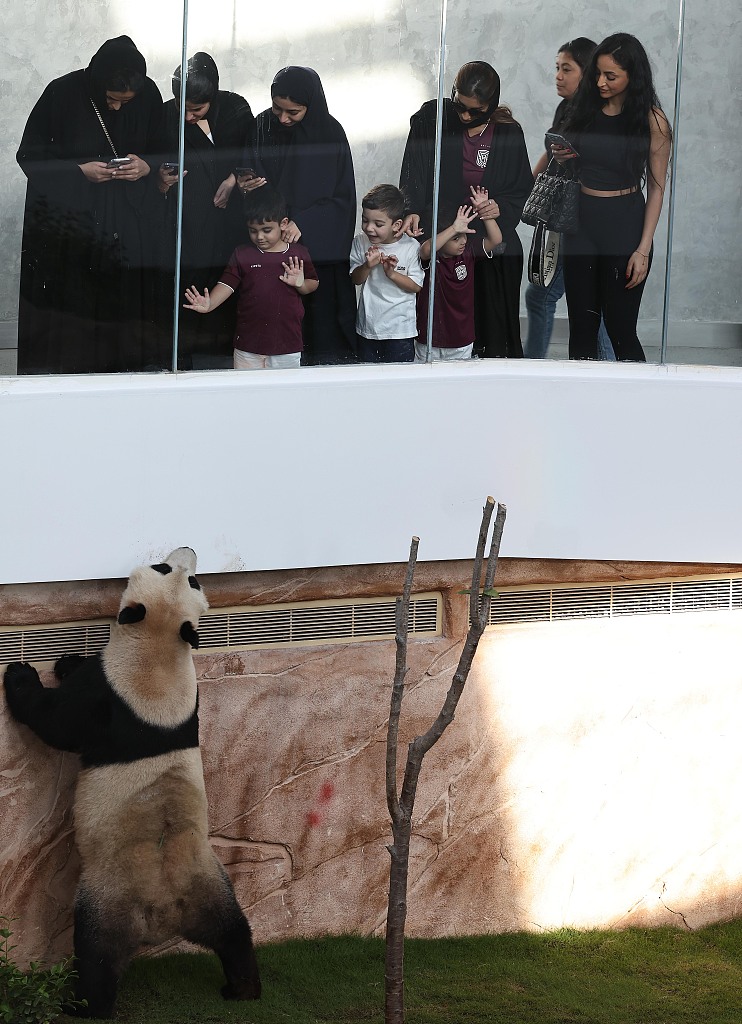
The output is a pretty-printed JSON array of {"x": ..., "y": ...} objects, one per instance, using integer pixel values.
[{"x": 34, "y": 996}]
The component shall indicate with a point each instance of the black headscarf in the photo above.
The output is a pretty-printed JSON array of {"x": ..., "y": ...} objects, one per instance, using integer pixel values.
[
  {"x": 114, "y": 57},
  {"x": 311, "y": 165}
]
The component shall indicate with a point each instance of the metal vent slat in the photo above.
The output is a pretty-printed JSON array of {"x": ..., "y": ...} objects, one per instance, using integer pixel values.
[
  {"x": 646, "y": 597},
  {"x": 244, "y": 628}
]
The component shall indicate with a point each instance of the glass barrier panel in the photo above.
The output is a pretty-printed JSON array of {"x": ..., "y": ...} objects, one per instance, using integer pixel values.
[
  {"x": 312, "y": 114},
  {"x": 85, "y": 250},
  {"x": 704, "y": 320}
]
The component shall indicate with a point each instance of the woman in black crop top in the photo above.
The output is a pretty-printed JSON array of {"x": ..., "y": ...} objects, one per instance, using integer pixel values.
[{"x": 623, "y": 139}]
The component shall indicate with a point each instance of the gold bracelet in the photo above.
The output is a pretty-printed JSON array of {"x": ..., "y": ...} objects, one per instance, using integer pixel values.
[{"x": 641, "y": 254}]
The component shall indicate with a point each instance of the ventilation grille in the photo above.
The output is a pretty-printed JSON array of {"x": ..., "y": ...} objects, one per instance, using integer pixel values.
[
  {"x": 313, "y": 622},
  {"x": 666, "y": 597}
]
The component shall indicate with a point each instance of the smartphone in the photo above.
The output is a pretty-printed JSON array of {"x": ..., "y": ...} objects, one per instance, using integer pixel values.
[
  {"x": 119, "y": 161},
  {"x": 170, "y": 168},
  {"x": 553, "y": 138},
  {"x": 247, "y": 173}
]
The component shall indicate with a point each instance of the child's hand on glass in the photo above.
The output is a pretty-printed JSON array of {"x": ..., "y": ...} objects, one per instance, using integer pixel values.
[
  {"x": 388, "y": 264},
  {"x": 486, "y": 208},
  {"x": 293, "y": 272},
  {"x": 464, "y": 216},
  {"x": 374, "y": 256},
  {"x": 196, "y": 301}
]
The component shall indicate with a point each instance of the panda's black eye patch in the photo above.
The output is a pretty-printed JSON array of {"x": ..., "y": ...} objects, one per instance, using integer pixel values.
[
  {"x": 132, "y": 613},
  {"x": 162, "y": 567},
  {"x": 193, "y": 582}
]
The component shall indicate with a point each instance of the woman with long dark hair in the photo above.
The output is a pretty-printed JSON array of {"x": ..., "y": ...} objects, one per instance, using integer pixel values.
[
  {"x": 87, "y": 296},
  {"x": 482, "y": 146},
  {"x": 541, "y": 300},
  {"x": 219, "y": 129},
  {"x": 303, "y": 152},
  {"x": 623, "y": 139}
]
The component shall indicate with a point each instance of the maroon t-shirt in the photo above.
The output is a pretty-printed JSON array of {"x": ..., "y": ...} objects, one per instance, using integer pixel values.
[
  {"x": 269, "y": 312},
  {"x": 476, "y": 154},
  {"x": 453, "y": 310}
]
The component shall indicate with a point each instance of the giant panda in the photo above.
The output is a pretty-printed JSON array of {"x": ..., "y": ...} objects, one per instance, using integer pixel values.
[{"x": 148, "y": 873}]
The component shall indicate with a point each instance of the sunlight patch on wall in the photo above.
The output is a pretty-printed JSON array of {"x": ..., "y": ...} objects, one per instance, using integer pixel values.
[
  {"x": 247, "y": 24},
  {"x": 619, "y": 762}
]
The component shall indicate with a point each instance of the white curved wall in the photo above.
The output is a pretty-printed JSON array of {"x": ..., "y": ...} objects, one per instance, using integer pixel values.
[{"x": 339, "y": 466}]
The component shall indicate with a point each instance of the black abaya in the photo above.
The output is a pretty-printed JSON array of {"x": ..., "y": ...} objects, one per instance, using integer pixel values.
[
  {"x": 311, "y": 165},
  {"x": 87, "y": 288},
  {"x": 508, "y": 179}
]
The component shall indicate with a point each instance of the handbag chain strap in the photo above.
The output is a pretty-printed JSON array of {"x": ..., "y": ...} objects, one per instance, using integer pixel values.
[{"x": 103, "y": 126}]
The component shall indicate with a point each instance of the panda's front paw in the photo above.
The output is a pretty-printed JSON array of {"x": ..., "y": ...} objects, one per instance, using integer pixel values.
[
  {"x": 66, "y": 664},
  {"x": 20, "y": 681}
]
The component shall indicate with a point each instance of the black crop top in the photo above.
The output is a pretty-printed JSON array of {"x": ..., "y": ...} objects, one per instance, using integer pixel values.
[{"x": 604, "y": 154}]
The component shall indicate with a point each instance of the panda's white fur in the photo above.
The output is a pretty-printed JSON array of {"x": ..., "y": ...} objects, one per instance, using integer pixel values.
[{"x": 148, "y": 872}]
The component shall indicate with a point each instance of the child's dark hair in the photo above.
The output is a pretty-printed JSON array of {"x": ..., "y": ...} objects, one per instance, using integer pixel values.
[
  {"x": 386, "y": 198},
  {"x": 265, "y": 203}
]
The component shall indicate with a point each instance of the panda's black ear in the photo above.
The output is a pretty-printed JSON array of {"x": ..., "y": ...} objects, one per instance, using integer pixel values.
[
  {"x": 132, "y": 613},
  {"x": 193, "y": 583},
  {"x": 189, "y": 634},
  {"x": 162, "y": 567}
]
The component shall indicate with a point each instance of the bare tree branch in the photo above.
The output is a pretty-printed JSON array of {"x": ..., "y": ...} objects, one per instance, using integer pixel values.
[
  {"x": 402, "y": 618},
  {"x": 401, "y": 807}
]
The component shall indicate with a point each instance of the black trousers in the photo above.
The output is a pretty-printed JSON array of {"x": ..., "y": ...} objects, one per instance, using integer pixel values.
[
  {"x": 329, "y": 327},
  {"x": 595, "y": 260}
]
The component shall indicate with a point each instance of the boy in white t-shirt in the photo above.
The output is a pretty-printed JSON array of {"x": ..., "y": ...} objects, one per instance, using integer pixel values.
[{"x": 389, "y": 272}]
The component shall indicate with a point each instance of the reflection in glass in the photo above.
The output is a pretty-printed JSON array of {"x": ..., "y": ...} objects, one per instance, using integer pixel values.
[
  {"x": 219, "y": 129},
  {"x": 86, "y": 291}
]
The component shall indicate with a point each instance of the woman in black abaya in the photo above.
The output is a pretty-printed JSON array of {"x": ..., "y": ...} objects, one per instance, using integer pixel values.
[
  {"x": 482, "y": 145},
  {"x": 86, "y": 261},
  {"x": 304, "y": 153},
  {"x": 219, "y": 127}
]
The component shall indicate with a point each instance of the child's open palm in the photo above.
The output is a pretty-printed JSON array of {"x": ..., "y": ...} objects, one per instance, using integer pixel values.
[
  {"x": 196, "y": 301},
  {"x": 464, "y": 216},
  {"x": 293, "y": 272},
  {"x": 486, "y": 208}
]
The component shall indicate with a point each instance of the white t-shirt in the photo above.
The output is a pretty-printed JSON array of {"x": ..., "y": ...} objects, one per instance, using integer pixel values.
[{"x": 384, "y": 310}]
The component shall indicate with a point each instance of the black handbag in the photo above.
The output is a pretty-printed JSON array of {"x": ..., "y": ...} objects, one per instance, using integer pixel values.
[
  {"x": 544, "y": 256},
  {"x": 554, "y": 200}
]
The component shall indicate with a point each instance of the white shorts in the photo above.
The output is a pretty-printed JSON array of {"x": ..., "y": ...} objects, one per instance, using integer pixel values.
[
  {"x": 421, "y": 352},
  {"x": 254, "y": 361}
]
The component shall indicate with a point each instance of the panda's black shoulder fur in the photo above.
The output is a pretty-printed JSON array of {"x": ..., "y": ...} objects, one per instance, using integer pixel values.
[{"x": 85, "y": 715}]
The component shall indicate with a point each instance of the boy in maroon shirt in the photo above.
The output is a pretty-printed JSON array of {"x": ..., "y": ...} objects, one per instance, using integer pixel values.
[
  {"x": 456, "y": 251},
  {"x": 269, "y": 276}
]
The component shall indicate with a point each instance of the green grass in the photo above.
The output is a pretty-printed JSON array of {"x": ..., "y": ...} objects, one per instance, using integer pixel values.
[{"x": 657, "y": 976}]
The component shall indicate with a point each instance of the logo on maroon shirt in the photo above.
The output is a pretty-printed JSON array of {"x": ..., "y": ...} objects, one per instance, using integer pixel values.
[
  {"x": 461, "y": 272},
  {"x": 482, "y": 155}
]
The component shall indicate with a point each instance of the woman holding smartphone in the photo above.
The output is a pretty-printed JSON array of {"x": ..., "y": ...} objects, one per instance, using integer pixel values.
[
  {"x": 616, "y": 124},
  {"x": 219, "y": 128},
  {"x": 541, "y": 300},
  {"x": 86, "y": 296}
]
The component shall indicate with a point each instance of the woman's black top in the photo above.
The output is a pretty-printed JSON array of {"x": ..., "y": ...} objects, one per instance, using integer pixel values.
[{"x": 604, "y": 154}]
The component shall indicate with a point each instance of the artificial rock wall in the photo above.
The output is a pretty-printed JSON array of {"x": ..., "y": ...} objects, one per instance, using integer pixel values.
[{"x": 589, "y": 778}]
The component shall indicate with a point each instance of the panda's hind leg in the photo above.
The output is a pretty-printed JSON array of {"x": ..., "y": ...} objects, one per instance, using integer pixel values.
[
  {"x": 212, "y": 917},
  {"x": 101, "y": 954}
]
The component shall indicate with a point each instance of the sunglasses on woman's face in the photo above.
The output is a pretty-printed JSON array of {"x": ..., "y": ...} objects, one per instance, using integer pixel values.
[{"x": 461, "y": 109}]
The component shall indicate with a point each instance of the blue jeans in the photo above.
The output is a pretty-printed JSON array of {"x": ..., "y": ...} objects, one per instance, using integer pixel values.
[{"x": 541, "y": 304}]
